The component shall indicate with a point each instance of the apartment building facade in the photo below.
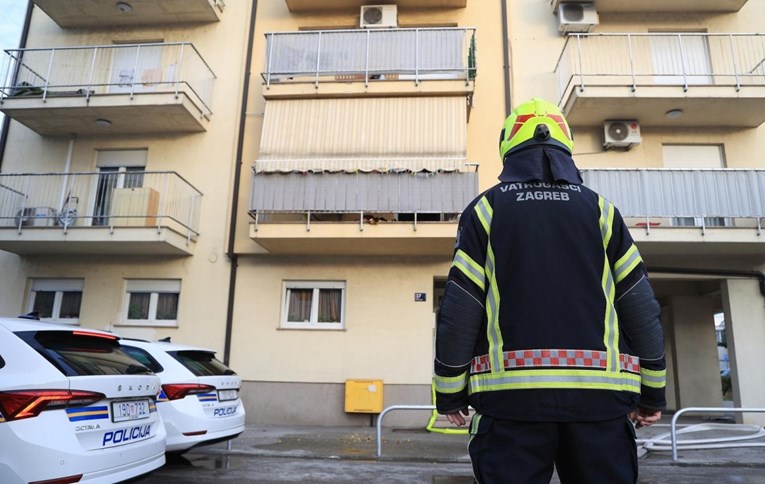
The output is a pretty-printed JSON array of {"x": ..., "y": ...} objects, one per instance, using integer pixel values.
[{"x": 346, "y": 137}]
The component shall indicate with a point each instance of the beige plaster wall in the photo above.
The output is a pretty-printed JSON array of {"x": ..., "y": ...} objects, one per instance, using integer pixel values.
[
  {"x": 206, "y": 160},
  {"x": 744, "y": 310},
  {"x": 695, "y": 351},
  {"x": 387, "y": 334}
]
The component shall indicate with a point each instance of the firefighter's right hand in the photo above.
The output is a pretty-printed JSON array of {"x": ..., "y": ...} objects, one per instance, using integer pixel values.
[{"x": 456, "y": 418}]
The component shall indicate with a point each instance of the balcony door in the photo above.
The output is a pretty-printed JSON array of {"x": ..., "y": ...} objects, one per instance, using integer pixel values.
[
  {"x": 680, "y": 58},
  {"x": 116, "y": 169}
]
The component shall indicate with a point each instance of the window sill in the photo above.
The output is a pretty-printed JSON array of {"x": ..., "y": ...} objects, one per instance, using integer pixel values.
[{"x": 148, "y": 324}]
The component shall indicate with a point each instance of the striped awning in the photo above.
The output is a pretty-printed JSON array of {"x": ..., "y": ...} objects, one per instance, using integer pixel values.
[{"x": 364, "y": 134}]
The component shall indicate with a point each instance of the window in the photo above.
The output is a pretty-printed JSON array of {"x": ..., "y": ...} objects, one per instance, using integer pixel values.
[
  {"x": 314, "y": 305},
  {"x": 142, "y": 356},
  {"x": 201, "y": 363},
  {"x": 151, "y": 302},
  {"x": 56, "y": 300},
  {"x": 77, "y": 353}
]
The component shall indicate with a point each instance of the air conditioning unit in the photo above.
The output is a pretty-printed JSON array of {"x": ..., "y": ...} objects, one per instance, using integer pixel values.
[
  {"x": 621, "y": 134},
  {"x": 35, "y": 217},
  {"x": 576, "y": 17},
  {"x": 378, "y": 16}
]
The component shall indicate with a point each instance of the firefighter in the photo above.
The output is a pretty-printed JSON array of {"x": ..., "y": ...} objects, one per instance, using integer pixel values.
[{"x": 548, "y": 327}]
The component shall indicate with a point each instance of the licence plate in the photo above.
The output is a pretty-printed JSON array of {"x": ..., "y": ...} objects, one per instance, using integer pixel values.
[
  {"x": 125, "y": 410},
  {"x": 225, "y": 395}
]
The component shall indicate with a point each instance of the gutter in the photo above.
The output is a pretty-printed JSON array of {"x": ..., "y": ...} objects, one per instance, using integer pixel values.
[
  {"x": 506, "y": 58},
  {"x": 22, "y": 44},
  {"x": 760, "y": 276},
  {"x": 230, "y": 253}
]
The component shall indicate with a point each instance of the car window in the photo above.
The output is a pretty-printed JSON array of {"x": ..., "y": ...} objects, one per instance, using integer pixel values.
[
  {"x": 201, "y": 363},
  {"x": 2, "y": 362},
  {"x": 144, "y": 357},
  {"x": 80, "y": 353}
]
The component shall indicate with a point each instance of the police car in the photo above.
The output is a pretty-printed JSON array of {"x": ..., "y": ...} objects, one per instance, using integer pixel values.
[
  {"x": 199, "y": 401},
  {"x": 74, "y": 407}
]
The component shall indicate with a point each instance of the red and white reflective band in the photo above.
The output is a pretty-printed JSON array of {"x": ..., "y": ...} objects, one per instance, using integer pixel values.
[{"x": 556, "y": 359}]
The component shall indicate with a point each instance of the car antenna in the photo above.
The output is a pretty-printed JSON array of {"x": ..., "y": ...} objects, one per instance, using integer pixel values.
[{"x": 166, "y": 339}]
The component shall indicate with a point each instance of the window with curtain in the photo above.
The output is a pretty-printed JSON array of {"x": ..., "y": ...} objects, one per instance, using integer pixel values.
[
  {"x": 151, "y": 302},
  {"x": 314, "y": 305},
  {"x": 56, "y": 300}
]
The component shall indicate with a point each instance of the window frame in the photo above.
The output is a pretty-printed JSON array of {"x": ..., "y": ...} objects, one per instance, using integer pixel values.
[
  {"x": 58, "y": 286},
  {"x": 154, "y": 287},
  {"x": 314, "y": 323}
]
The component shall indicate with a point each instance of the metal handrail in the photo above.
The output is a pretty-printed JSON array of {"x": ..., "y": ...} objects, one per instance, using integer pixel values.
[
  {"x": 634, "y": 60},
  {"x": 390, "y": 409},
  {"x": 677, "y": 414},
  {"x": 361, "y": 55}
]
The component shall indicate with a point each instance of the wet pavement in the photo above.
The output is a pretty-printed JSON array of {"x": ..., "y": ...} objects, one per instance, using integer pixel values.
[{"x": 276, "y": 454}]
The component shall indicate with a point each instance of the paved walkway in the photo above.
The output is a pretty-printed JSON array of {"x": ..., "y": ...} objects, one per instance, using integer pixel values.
[{"x": 277, "y": 454}]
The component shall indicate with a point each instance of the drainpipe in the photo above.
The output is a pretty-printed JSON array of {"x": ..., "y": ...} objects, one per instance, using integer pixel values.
[
  {"x": 232, "y": 256},
  {"x": 760, "y": 276},
  {"x": 22, "y": 44},
  {"x": 506, "y": 58}
]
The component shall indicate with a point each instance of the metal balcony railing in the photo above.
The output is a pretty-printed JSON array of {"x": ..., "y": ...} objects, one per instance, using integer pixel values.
[
  {"x": 128, "y": 69},
  {"x": 100, "y": 199},
  {"x": 364, "y": 55},
  {"x": 700, "y": 194},
  {"x": 684, "y": 59}
]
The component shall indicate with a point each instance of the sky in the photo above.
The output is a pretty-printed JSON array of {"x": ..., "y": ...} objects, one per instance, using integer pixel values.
[{"x": 11, "y": 21}]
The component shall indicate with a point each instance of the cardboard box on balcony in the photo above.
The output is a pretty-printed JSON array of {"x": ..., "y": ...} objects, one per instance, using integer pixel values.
[{"x": 134, "y": 207}]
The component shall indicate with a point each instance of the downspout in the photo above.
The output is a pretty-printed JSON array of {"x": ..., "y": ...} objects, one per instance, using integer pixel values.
[
  {"x": 233, "y": 258},
  {"x": 506, "y": 58},
  {"x": 760, "y": 276},
  {"x": 22, "y": 45}
]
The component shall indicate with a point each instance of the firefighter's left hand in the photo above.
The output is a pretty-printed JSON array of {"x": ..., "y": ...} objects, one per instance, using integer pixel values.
[
  {"x": 456, "y": 418},
  {"x": 644, "y": 418}
]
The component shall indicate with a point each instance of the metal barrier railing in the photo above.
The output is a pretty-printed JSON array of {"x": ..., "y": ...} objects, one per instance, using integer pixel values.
[
  {"x": 390, "y": 409},
  {"x": 673, "y": 425}
]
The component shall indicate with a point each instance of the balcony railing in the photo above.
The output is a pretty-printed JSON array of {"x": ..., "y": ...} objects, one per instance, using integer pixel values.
[
  {"x": 682, "y": 59},
  {"x": 66, "y": 201},
  {"x": 364, "y": 55},
  {"x": 701, "y": 194},
  {"x": 129, "y": 69}
]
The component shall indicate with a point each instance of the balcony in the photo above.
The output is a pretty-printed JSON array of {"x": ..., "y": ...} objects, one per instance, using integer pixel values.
[
  {"x": 391, "y": 213},
  {"x": 110, "y": 13},
  {"x": 708, "y": 79},
  {"x": 127, "y": 212},
  {"x": 681, "y": 212},
  {"x": 661, "y": 6},
  {"x": 383, "y": 62},
  {"x": 108, "y": 90},
  {"x": 324, "y": 6}
]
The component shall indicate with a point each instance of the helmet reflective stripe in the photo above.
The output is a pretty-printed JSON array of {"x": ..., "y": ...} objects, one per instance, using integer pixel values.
[{"x": 521, "y": 127}]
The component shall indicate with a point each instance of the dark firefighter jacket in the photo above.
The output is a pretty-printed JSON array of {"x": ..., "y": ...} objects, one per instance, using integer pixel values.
[{"x": 547, "y": 313}]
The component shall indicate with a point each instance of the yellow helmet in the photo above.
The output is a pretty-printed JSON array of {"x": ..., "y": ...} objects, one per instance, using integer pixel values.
[{"x": 535, "y": 122}]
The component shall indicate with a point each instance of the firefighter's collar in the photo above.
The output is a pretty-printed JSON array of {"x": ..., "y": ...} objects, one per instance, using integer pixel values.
[{"x": 540, "y": 163}]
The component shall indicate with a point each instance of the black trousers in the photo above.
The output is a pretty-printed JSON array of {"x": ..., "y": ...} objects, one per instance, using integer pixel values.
[{"x": 512, "y": 451}]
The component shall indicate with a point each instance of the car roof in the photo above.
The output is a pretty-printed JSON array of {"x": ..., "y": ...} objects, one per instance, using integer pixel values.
[
  {"x": 22, "y": 324},
  {"x": 165, "y": 346}
]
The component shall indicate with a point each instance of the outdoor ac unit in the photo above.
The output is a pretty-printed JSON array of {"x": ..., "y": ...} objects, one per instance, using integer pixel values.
[
  {"x": 378, "y": 16},
  {"x": 621, "y": 134},
  {"x": 35, "y": 217},
  {"x": 577, "y": 17}
]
